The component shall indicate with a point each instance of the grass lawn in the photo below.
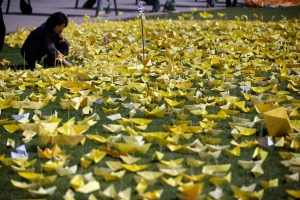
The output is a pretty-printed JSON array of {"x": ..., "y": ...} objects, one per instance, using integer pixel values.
[{"x": 214, "y": 56}]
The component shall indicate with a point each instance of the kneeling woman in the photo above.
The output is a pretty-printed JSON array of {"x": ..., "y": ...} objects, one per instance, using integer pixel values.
[{"x": 47, "y": 40}]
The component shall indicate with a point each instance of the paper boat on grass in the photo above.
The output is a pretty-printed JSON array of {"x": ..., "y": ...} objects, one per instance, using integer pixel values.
[
  {"x": 113, "y": 128},
  {"x": 49, "y": 153},
  {"x": 112, "y": 176},
  {"x": 24, "y": 185},
  {"x": 294, "y": 193},
  {"x": 173, "y": 182},
  {"x": 84, "y": 183},
  {"x": 129, "y": 148},
  {"x": 22, "y": 169},
  {"x": 156, "y": 112},
  {"x": 11, "y": 128},
  {"x": 89, "y": 187},
  {"x": 192, "y": 191},
  {"x": 108, "y": 193},
  {"x": 239, "y": 193},
  {"x": 27, "y": 104},
  {"x": 38, "y": 178},
  {"x": 292, "y": 178},
  {"x": 52, "y": 165},
  {"x": 41, "y": 192},
  {"x": 72, "y": 140},
  {"x": 64, "y": 171},
  {"x": 69, "y": 104}
]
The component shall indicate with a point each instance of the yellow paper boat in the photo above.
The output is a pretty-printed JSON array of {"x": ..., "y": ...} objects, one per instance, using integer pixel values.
[
  {"x": 110, "y": 110},
  {"x": 156, "y": 194},
  {"x": 124, "y": 195},
  {"x": 97, "y": 138},
  {"x": 217, "y": 181},
  {"x": 217, "y": 193},
  {"x": 211, "y": 169},
  {"x": 114, "y": 165},
  {"x": 113, "y": 128},
  {"x": 140, "y": 121},
  {"x": 195, "y": 163},
  {"x": 235, "y": 152},
  {"x": 95, "y": 155},
  {"x": 173, "y": 171},
  {"x": 109, "y": 192},
  {"x": 77, "y": 181},
  {"x": 11, "y": 128},
  {"x": 134, "y": 167},
  {"x": 72, "y": 140},
  {"x": 133, "y": 140},
  {"x": 172, "y": 163},
  {"x": 27, "y": 104},
  {"x": 150, "y": 175},
  {"x": 38, "y": 178},
  {"x": 174, "y": 103},
  {"x": 24, "y": 162},
  {"x": 64, "y": 171},
  {"x": 246, "y": 164},
  {"x": 49, "y": 153},
  {"x": 245, "y": 131},
  {"x": 91, "y": 186},
  {"x": 156, "y": 112},
  {"x": 4, "y": 104},
  {"x": 193, "y": 178},
  {"x": 293, "y": 193},
  {"x": 210, "y": 154},
  {"x": 41, "y": 192},
  {"x": 24, "y": 185},
  {"x": 269, "y": 184},
  {"x": 157, "y": 156},
  {"x": 129, "y": 159},
  {"x": 239, "y": 193},
  {"x": 52, "y": 165},
  {"x": 21, "y": 169},
  {"x": 292, "y": 178},
  {"x": 209, "y": 140},
  {"x": 257, "y": 170},
  {"x": 259, "y": 154},
  {"x": 112, "y": 176},
  {"x": 68, "y": 104},
  {"x": 173, "y": 182},
  {"x": 192, "y": 191},
  {"x": 129, "y": 148}
]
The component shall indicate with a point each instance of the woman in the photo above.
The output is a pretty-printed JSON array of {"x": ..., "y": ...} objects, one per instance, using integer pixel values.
[{"x": 47, "y": 40}]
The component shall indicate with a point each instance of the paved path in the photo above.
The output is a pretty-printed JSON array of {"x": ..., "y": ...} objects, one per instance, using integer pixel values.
[{"x": 43, "y": 8}]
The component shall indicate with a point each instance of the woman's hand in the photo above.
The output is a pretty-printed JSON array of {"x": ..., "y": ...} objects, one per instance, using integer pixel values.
[
  {"x": 67, "y": 63},
  {"x": 64, "y": 61}
]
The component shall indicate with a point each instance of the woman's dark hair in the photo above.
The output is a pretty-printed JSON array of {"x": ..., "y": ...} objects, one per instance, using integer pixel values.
[{"x": 57, "y": 18}]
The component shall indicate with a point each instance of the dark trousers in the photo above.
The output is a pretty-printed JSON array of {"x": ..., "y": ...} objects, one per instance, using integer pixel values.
[
  {"x": 2, "y": 28},
  {"x": 63, "y": 48},
  {"x": 50, "y": 59}
]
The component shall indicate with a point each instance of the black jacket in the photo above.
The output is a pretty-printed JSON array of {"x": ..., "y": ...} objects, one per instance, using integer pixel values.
[{"x": 40, "y": 42}]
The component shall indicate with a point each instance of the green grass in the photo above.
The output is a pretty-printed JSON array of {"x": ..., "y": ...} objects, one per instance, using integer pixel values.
[{"x": 272, "y": 168}]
